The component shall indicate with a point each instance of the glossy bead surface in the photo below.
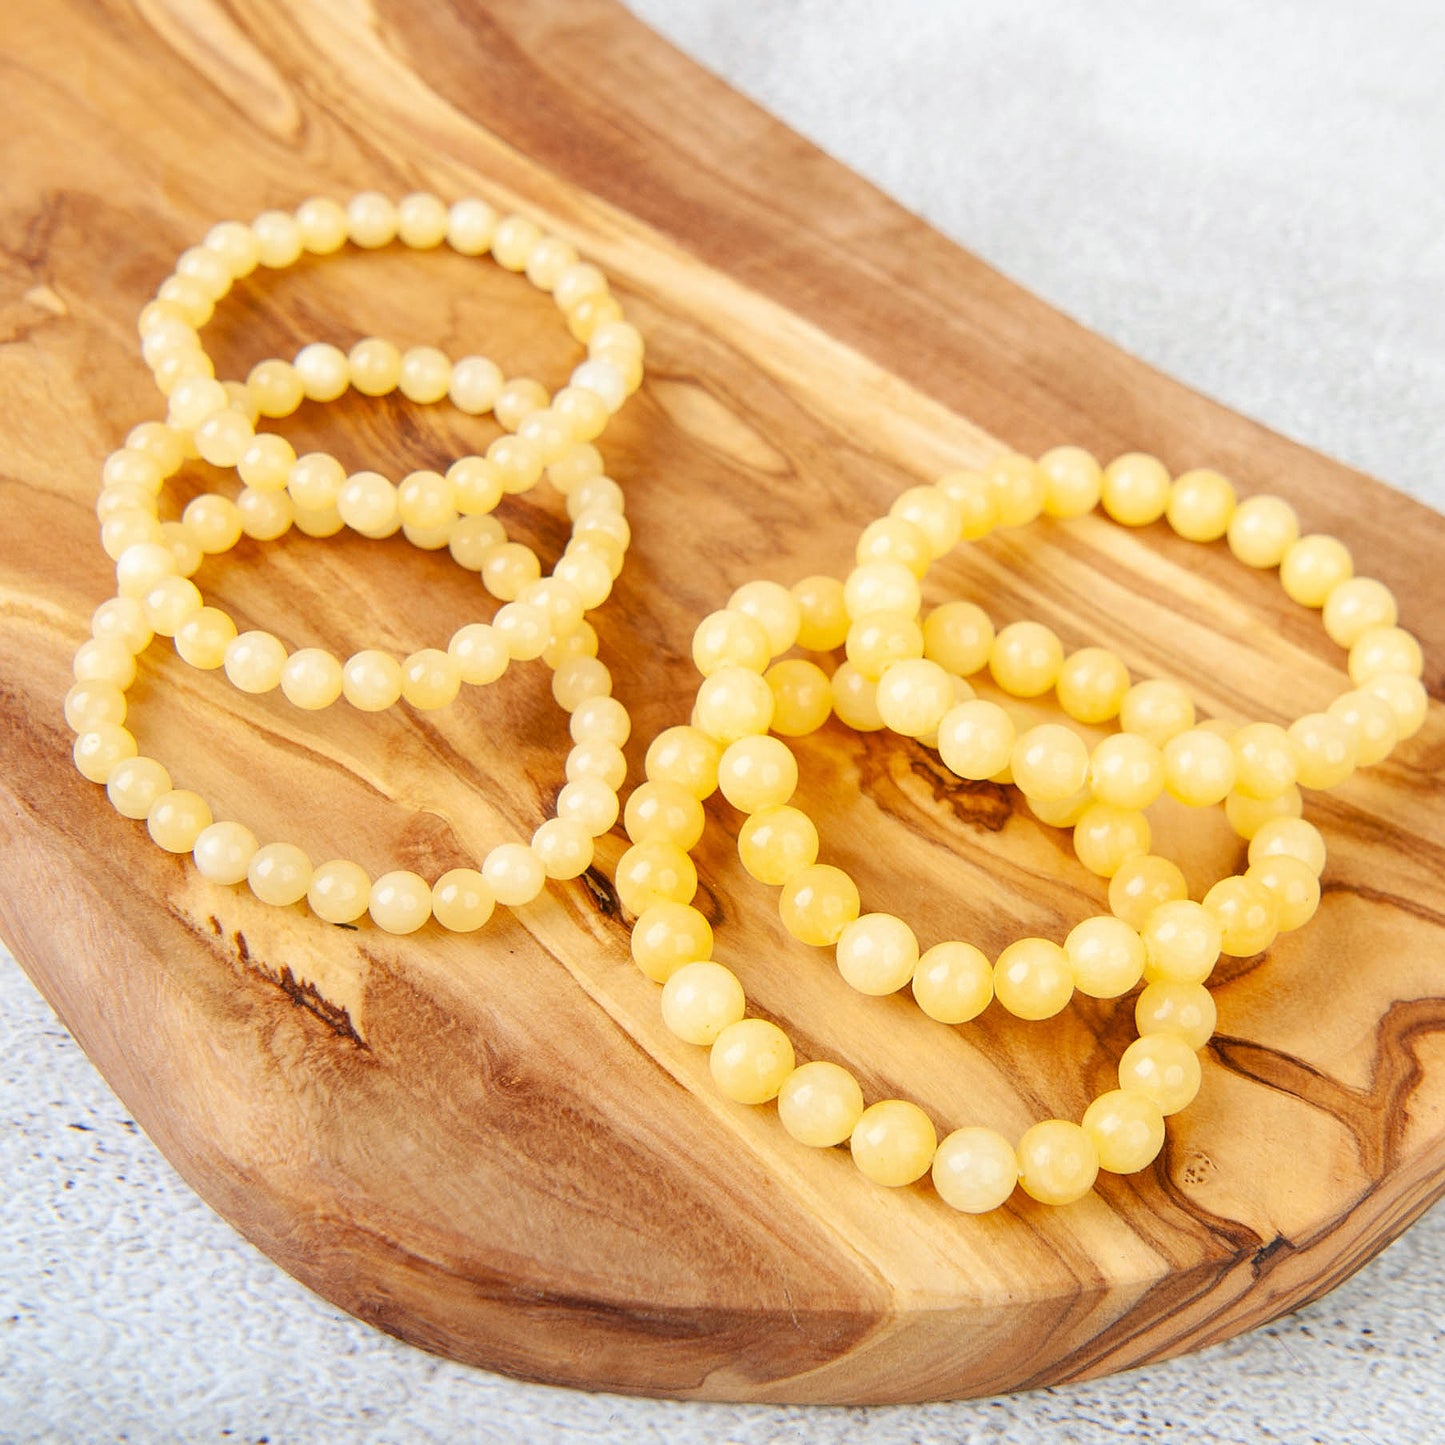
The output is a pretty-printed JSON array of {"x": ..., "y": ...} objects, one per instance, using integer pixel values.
[
  {"x": 687, "y": 756},
  {"x": 1105, "y": 837},
  {"x": 733, "y": 703},
  {"x": 1262, "y": 529},
  {"x": 959, "y": 637},
  {"x": 701, "y": 999},
  {"x": 976, "y": 739},
  {"x": 893, "y": 1142},
  {"x": 311, "y": 678},
  {"x": 820, "y": 1104},
  {"x": 913, "y": 696},
  {"x": 1025, "y": 659},
  {"x": 953, "y": 982},
  {"x": 1265, "y": 763},
  {"x": 756, "y": 773},
  {"x": 802, "y": 696},
  {"x": 1324, "y": 750},
  {"x": 1381, "y": 650},
  {"x": 279, "y": 874},
  {"x": 664, "y": 812},
  {"x": 1185, "y": 1009},
  {"x": 649, "y": 873},
  {"x": 461, "y": 899},
  {"x": 1199, "y": 768},
  {"x": 1356, "y": 606},
  {"x": 750, "y": 1061},
  {"x": 879, "y": 640},
  {"x": 1105, "y": 955},
  {"x": 817, "y": 903},
  {"x": 1127, "y": 1130},
  {"x": 1049, "y": 762},
  {"x": 1247, "y": 915},
  {"x": 1292, "y": 884},
  {"x": 1163, "y": 1068},
  {"x": 1313, "y": 567},
  {"x": 1135, "y": 489},
  {"x": 563, "y": 847},
  {"x": 1032, "y": 978},
  {"x": 223, "y": 852},
  {"x": 668, "y": 935},
  {"x": 1057, "y": 1162},
  {"x": 822, "y": 615},
  {"x": 1126, "y": 771},
  {"x": 339, "y": 891},
  {"x": 877, "y": 954},
  {"x": 399, "y": 902},
  {"x": 177, "y": 818},
  {"x": 1092, "y": 684},
  {"x": 1073, "y": 482},
  {"x": 1200, "y": 506},
  {"x": 1181, "y": 941},
  {"x": 1291, "y": 838},
  {"x": 777, "y": 843},
  {"x": 514, "y": 873},
  {"x": 975, "y": 1170}
]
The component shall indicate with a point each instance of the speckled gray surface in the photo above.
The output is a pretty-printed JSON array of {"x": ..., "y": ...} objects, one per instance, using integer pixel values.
[{"x": 1249, "y": 200}]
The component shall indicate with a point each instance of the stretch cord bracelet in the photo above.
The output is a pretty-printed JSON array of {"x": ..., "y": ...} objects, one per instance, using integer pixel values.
[{"x": 1162, "y": 935}]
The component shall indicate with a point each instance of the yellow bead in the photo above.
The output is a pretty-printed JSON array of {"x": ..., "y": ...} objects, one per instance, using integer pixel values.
[
  {"x": 877, "y": 640},
  {"x": 99, "y": 750},
  {"x": 1065, "y": 813},
  {"x": 1092, "y": 685},
  {"x": 756, "y": 773},
  {"x": 1018, "y": 489},
  {"x": 802, "y": 696},
  {"x": 323, "y": 371},
  {"x": 315, "y": 482},
  {"x": 514, "y": 873},
  {"x": 1106, "y": 956},
  {"x": 170, "y": 604},
  {"x": 525, "y": 631},
  {"x": 204, "y": 637},
  {"x": 1383, "y": 650},
  {"x": 881, "y": 587},
  {"x": 823, "y": 616},
  {"x": 134, "y": 785},
  {"x": 1407, "y": 698},
  {"x": 122, "y": 618},
  {"x": 1262, "y": 530},
  {"x": 1057, "y": 1162},
  {"x": 1163, "y": 1068},
  {"x": 686, "y": 756},
  {"x": 1247, "y": 915},
  {"x": 1105, "y": 837},
  {"x": 1049, "y": 762},
  {"x": 1355, "y": 607},
  {"x": 193, "y": 400},
  {"x": 375, "y": 366},
  {"x": 311, "y": 678},
  {"x": 733, "y": 703},
  {"x": 105, "y": 661},
  {"x": 1073, "y": 482},
  {"x": 1313, "y": 567},
  {"x": 1156, "y": 710},
  {"x": 1032, "y": 978},
  {"x": 1289, "y": 838},
  {"x": 751, "y": 1060},
  {"x": 88, "y": 705},
  {"x": 667, "y": 936},
  {"x": 661, "y": 812},
  {"x": 1201, "y": 504},
  {"x": 127, "y": 529},
  {"x": 1135, "y": 489},
  {"x": 177, "y": 818},
  {"x": 580, "y": 678},
  {"x": 461, "y": 900},
  {"x": 471, "y": 225},
  {"x": 934, "y": 513},
  {"x": 254, "y": 662},
  {"x": 371, "y": 219},
  {"x": 953, "y": 982},
  {"x": 973, "y": 494},
  {"x": 700, "y": 999},
  {"x": 855, "y": 699},
  {"x": 1248, "y": 815},
  {"x": 1025, "y": 659},
  {"x": 959, "y": 637},
  {"x": 1324, "y": 750},
  {"x": 475, "y": 384},
  {"x": 1264, "y": 757},
  {"x": 601, "y": 720},
  {"x": 430, "y": 678},
  {"x": 563, "y": 847},
  {"x": 516, "y": 462},
  {"x": 593, "y": 759},
  {"x": 892, "y": 539},
  {"x": 817, "y": 903},
  {"x": 1181, "y": 941},
  {"x": 1126, "y": 771},
  {"x": 322, "y": 224},
  {"x": 264, "y": 515},
  {"x": 223, "y": 852},
  {"x": 1184, "y": 1009},
  {"x": 877, "y": 954},
  {"x": 975, "y": 1170},
  {"x": 893, "y": 1142},
  {"x": 820, "y": 1104},
  {"x": 421, "y": 221},
  {"x": 776, "y": 843},
  {"x": 976, "y": 739},
  {"x": 1127, "y": 1131},
  {"x": 424, "y": 499},
  {"x": 1199, "y": 768},
  {"x": 649, "y": 873},
  {"x": 913, "y": 696},
  {"x": 224, "y": 436},
  {"x": 279, "y": 874},
  {"x": 547, "y": 260},
  {"x": 774, "y": 608},
  {"x": 513, "y": 240},
  {"x": 274, "y": 388},
  {"x": 1141, "y": 884},
  {"x": 729, "y": 639},
  {"x": 1292, "y": 884},
  {"x": 400, "y": 902},
  {"x": 1371, "y": 721},
  {"x": 339, "y": 891},
  {"x": 371, "y": 680}
]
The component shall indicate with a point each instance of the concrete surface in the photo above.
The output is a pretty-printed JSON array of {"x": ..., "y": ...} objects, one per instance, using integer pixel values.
[{"x": 1248, "y": 196}]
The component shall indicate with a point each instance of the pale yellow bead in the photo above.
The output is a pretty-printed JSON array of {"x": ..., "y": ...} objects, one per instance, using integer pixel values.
[
  {"x": 587, "y": 574},
  {"x": 278, "y": 239},
  {"x": 802, "y": 696},
  {"x": 590, "y": 802},
  {"x": 141, "y": 566},
  {"x": 368, "y": 503},
  {"x": 892, "y": 539},
  {"x": 1247, "y": 914},
  {"x": 774, "y": 608},
  {"x": 1126, "y": 771},
  {"x": 973, "y": 494},
  {"x": 254, "y": 662},
  {"x": 687, "y": 756},
  {"x": 471, "y": 224},
  {"x": 311, "y": 678},
  {"x": 204, "y": 638},
  {"x": 518, "y": 399},
  {"x": 1262, "y": 530},
  {"x": 323, "y": 371},
  {"x": 975, "y": 1170},
  {"x": 1265, "y": 764},
  {"x": 123, "y": 530},
  {"x": 462, "y": 901},
  {"x": 823, "y": 615},
  {"x": 877, "y": 954},
  {"x": 508, "y": 569},
  {"x": 424, "y": 499},
  {"x": 1324, "y": 750},
  {"x": 820, "y": 1104},
  {"x": 1248, "y": 815},
  {"x": 177, "y": 818},
  {"x": 729, "y": 639},
  {"x": 1357, "y": 605},
  {"x": 323, "y": 225},
  {"x": 656, "y": 872},
  {"x": 548, "y": 258},
  {"x": 1181, "y": 941},
  {"x": 177, "y": 540},
  {"x": 426, "y": 373},
  {"x": 1186, "y": 1010},
  {"x": 1141, "y": 884},
  {"x": 855, "y": 699},
  {"x": 1313, "y": 567},
  {"x": 89, "y": 705},
  {"x": 1025, "y": 659},
  {"x": 513, "y": 240},
  {"x": 1032, "y": 978},
  {"x": 475, "y": 384},
  {"x": 959, "y": 637},
  {"x": 236, "y": 245},
  {"x": 953, "y": 982},
  {"x": 213, "y": 522},
  {"x": 1156, "y": 710},
  {"x": 1049, "y": 762},
  {"x": 893, "y": 1142},
  {"x": 881, "y": 587},
  {"x": 339, "y": 891},
  {"x": 976, "y": 739},
  {"x": 371, "y": 219},
  {"x": 122, "y": 618},
  {"x": 817, "y": 903},
  {"x": 1407, "y": 698},
  {"x": 595, "y": 759},
  {"x": 275, "y": 388},
  {"x": 1292, "y": 884},
  {"x": 400, "y": 902},
  {"x": 664, "y": 813},
  {"x": 580, "y": 463},
  {"x": 374, "y": 365},
  {"x": 430, "y": 678},
  {"x": 134, "y": 784},
  {"x": 1135, "y": 489},
  {"x": 170, "y": 604},
  {"x": 733, "y": 703},
  {"x": 934, "y": 513},
  {"x": 1057, "y": 1162},
  {"x": 600, "y": 720},
  {"x": 1066, "y": 813},
  {"x": 1073, "y": 482},
  {"x": 315, "y": 482},
  {"x": 1201, "y": 504},
  {"x": 1382, "y": 650},
  {"x": 1106, "y": 956},
  {"x": 1105, "y": 837},
  {"x": 579, "y": 678},
  {"x": 1018, "y": 489},
  {"x": 775, "y": 844},
  {"x": 147, "y": 465},
  {"x": 193, "y": 400},
  {"x": 913, "y": 695},
  {"x": 514, "y": 873},
  {"x": 223, "y": 852},
  {"x": 266, "y": 464},
  {"x": 1092, "y": 684},
  {"x": 104, "y": 660},
  {"x": 98, "y": 751},
  {"x": 371, "y": 680},
  {"x": 1126, "y": 1129},
  {"x": 750, "y": 1061},
  {"x": 1289, "y": 838},
  {"x": 421, "y": 221},
  {"x": 1199, "y": 768},
  {"x": 1373, "y": 723},
  {"x": 700, "y": 999},
  {"x": 1163, "y": 1068}
]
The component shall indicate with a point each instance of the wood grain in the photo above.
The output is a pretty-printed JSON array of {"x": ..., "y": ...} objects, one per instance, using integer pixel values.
[{"x": 490, "y": 1146}]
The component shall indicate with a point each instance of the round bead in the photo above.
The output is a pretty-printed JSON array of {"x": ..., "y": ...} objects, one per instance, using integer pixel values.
[
  {"x": 1199, "y": 768},
  {"x": 1248, "y": 815},
  {"x": 1073, "y": 482},
  {"x": 98, "y": 751},
  {"x": 1313, "y": 567},
  {"x": 563, "y": 847},
  {"x": 1105, "y": 955},
  {"x": 1163, "y": 1068},
  {"x": 973, "y": 494},
  {"x": 1324, "y": 750},
  {"x": 1184, "y": 1009},
  {"x": 371, "y": 680},
  {"x": 177, "y": 818},
  {"x": 279, "y": 874},
  {"x": 1156, "y": 710},
  {"x": 1049, "y": 762},
  {"x": 1126, "y": 771},
  {"x": 170, "y": 604},
  {"x": 756, "y": 773},
  {"x": 877, "y": 954},
  {"x": 892, "y": 539},
  {"x": 1181, "y": 941},
  {"x": 881, "y": 587},
  {"x": 820, "y": 1104},
  {"x": 1126, "y": 1129},
  {"x": 668, "y": 935},
  {"x": 1290, "y": 838},
  {"x": 1017, "y": 487},
  {"x": 471, "y": 224},
  {"x": 817, "y": 903},
  {"x": 1292, "y": 884},
  {"x": 514, "y": 873},
  {"x": 959, "y": 637},
  {"x": 1247, "y": 915},
  {"x": 1141, "y": 884},
  {"x": 855, "y": 699},
  {"x": 134, "y": 785},
  {"x": 1262, "y": 530},
  {"x": 591, "y": 759},
  {"x": 323, "y": 371},
  {"x": 254, "y": 662},
  {"x": 953, "y": 982},
  {"x": 1106, "y": 836},
  {"x": 913, "y": 696},
  {"x": 311, "y": 678},
  {"x": 1025, "y": 659},
  {"x": 421, "y": 221},
  {"x": 729, "y": 639},
  {"x": 776, "y": 843},
  {"x": 104, "y": 661},
  {"x": 878, "y": 640},
  {"x": 461, "y": 900},
  {"x": 1135, "y": 489},
  {"x": 1371, "y": 720},
  {"x": 976, "y": 739},
  {"x": 223, "y": 852},
  {"x": 339, "y": 891},
  {"x": 1356, "y": 606},
  {"x": 601, "y": 720},
  {"x": 775, "y": 609},
  {"x": 1057, "y": 1162},
  {"x": 733, "y": 703},
  {"x": 1201, "y": 504},
  {"x": 664, "y": 812},
  {"x": 822, "y": 616},
  {"x": 430, "y": 678},
  {"x": 1264, "y": 758},
  {"x": 700, "y": 1000},
  {"x": 1383, "y": 650},
  {"x": 751, "y": 1060},
  {"x": 802, "y": 696},
  {"x": 933, "y": 513},
  {"x": 400, "y": 902},
  {"x": 975, "y": 1170},
  {"x": 1092, "y": 684},
  {"x": 89, "y": 704},
  {"x": 649, "y": 873},
  {"x": 1032, "y": 978},
  {"x": 1407, "y": 698},
  {"x": 893, "y": 1142},
  {"x": 686, "y": 756}
]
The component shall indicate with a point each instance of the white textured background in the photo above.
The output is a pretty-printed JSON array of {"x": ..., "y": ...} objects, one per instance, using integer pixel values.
[{"x": 1249, "y": 196}]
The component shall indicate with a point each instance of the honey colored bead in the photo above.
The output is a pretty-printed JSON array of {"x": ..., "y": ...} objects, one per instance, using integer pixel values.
[
  {"x": 934, "y": 513},
  {"x": 193, "y": 400},
  {"x": 1247, "y": 915},
  {"x": 959, "y": 637},
  {"x": 1181, "y": 941},
  {"x": 213, "y": 522},
  {"x": 893, "y": 1143},
  {"x": 667, "y": 936},
  {"x": 476, "y": 382},
  {"x": 1018, "y": 489},
  {"x": 1092, "y": 684},
  {"x": 1126, "y": 771},
  {"x": 877, "y": 640},
  {"x": 323, "y": 371},
  {"x": 236, "y": 245},
  {"x": 426, "y": 374},
  {"x": 514, "y": 873},
  {"x": 89, "y": 705},
  {"x": 729, "y": 639},
  {"x": 1032, "y": 978},
  {"x": 817, "y": 903},
  {"x": 1049, "y": 762},
  {"x": 134, "y": 785},
  {"x": 1057, "y": 1162},
  {"x": 881, "y": 587},
  {"x": 1372, "y": 722},
  {"x": 548, "y": 258},
  {"x": 462, "y": 901},
  {"x": 976, "y": 739},
  {"x": 275, "y": 388},
  {"x": 820, "y": 1104},
  {"x": 1156, "y": 710},
  {"x": 177, "y": 818},
  {"x": 311, "y": 678},
  {"x": 756, "y": 773},
  {"x": 513, "y": 240},
  {"x": 1135, "y": 489},
  {"x": 1262, "y": 530},
  {"x": 97, "y": 752},
  {"x": 600, "y": 720},
  {"x": 592, "y": 759},
  {"x": 431, "y": 678},
  {"x": 1313, "y": 567},
  {"x": 122, "y": 618},
  {"x": 892, "y": 539},
  {"x": 223, "y": 852},
  {"x": 877, "y": 954},
  {"x": 913, "y": 696},
  {"x": 1025, "y": 659},
  {"x": 369, "y": 504},
  {"x": 1106, "y": 956},
  {"x": 1073, "y": 482},
  {"x": 254, "y": 662},
  {"x": 1199, "y": 768},
  {"x": 471, "y": 224},
  {"x": 374, "y": 365},
  {"x": 1163, "y": 1068},
  {"x": 126, "y": 529},
  {"x": 371, "y": 680},
  {"x": 564, "y": 848},
  {"x": 1184, "y": 1009},
  {"x": 421, "y": 221},
  {"x": 1264, "y": 758},
  {"x": 371, "y": 219},
  {"x": 1355, "y": 607},
  {"x": 1289, "y": 838},
  {"x": 1248, "y": 815},
  {"x": 104, "y": 661},
  {"x": 733, "y": 703},
  {"x": 424, "y": 499},
  {"x": 802, "y": 696},
  {"x": 823, "y": 616},
  {"x": 751, "y": 1060},
  {"x": 1384, "y": 650},
  {"x": 1324, "y": 749},
  {"x": 1201, "y": 504},
  {"x": 204, "y": 638},
  {"x": 777, "y": 843},
  {"x": 1407, "y": 698},
  {"x": 1127, "y": 1131},
  {"x": 855, "y": 699},
  {"x": 973, "y": 494},
  {"x": 224, "y": 436},
  {"x": 400, "y": 902},
  {"x": 975, "y": 1170},
  {"x": 649, "y": 873},
  {"x": 1141, "y": 884},
  {"x": 1292, "y": 884},
  {"x": 664, "y": 813},
  {"x": 1105, "y": 837},
  {"x": 525, "y": 631},
  {"x": 1066, "y": 813},
  {"x": 953, "y": 982},
  {"x": 339, "y": 891},
  {"x": 177, "y": 539},
  {"x": 700, "y": 1000},
  {"x": 315, "y": 482},
  {"x": 266, "y": 464},
  {"x": 687, "y": 756},
  {"x": 170, "y": 604}
]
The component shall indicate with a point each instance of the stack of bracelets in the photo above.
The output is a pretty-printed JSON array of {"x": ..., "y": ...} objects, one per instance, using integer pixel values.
[{"x": 903, "y": 671}]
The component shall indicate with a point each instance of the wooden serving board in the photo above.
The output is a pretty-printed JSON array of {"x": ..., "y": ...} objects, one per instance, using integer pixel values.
[{"x": 490, "y": 1146}]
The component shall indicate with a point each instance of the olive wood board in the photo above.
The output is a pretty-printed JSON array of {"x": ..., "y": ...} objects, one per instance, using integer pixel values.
[{"x": 489, "y": 1145}]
